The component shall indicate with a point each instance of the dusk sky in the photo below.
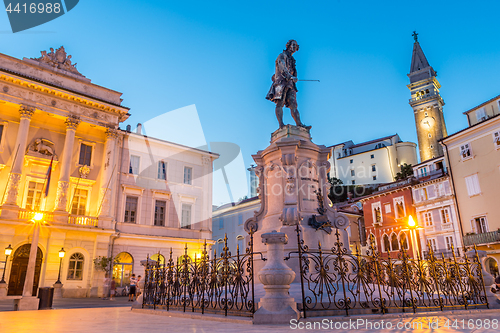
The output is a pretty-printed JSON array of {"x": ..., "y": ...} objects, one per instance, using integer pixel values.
[{"x": 219, "y": 56}]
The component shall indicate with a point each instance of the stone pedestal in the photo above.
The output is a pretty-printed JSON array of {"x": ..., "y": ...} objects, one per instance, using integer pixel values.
[
  {"x": 57, "y": 290},
  {"x": 3, "y": 290},
  {"x": 292, "y": 170},
  {"x": 9, "y": 212},
  {"x": 26, "y": 303},
  {"x": 277, "y": 306}
]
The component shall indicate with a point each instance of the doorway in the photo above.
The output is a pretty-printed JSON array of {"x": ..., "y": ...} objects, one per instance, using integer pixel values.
[{"x": 19, "y": 268}]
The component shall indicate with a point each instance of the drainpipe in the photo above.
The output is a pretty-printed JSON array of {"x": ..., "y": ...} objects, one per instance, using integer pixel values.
[
  {"x": 454, "y": 193},
  {"x": 116, "y": 234}
]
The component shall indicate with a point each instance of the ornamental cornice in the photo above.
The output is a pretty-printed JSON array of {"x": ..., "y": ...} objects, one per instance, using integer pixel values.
[{"x": 121, "y": 112}]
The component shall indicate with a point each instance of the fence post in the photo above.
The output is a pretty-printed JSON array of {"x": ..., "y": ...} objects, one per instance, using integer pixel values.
[{"x": 277, "y": 306}]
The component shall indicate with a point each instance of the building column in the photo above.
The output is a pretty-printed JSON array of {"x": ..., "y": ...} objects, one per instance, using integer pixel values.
[
  {"x": 20, "y": 148},
  {"x": 107, "y": 173},
  {"x": 63, "y": 183}
]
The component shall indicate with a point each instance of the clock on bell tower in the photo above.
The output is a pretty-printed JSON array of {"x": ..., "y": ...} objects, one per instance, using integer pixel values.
[{"x": 427, "y": 104}]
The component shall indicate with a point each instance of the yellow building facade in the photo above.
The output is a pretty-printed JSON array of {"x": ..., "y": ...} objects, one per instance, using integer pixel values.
[
  {"x": 95, "y": 204},
  {"x": 473, "y": 156}
]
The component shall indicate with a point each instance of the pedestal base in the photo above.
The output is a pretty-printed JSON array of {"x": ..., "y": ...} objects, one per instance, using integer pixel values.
[
  {"x": 26, "y": 303},
  {"x": 263, "y": 316},
  {"x": 9, "y": 212},
  {"x": 3, "y": 290},
  {"x": 57, "y": 290},
  {"x": 61, "y": 216}
]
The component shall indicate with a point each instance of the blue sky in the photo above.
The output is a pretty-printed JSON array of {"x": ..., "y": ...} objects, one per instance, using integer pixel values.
[{"x": 165, "y": 55}]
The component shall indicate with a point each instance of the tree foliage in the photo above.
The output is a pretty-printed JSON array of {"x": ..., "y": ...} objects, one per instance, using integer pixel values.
[{"x": 406, "y": 171}]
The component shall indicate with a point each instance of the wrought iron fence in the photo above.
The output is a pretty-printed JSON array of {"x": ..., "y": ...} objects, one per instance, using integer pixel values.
[
  {"x": 335, "y": 281},
  {"x": 221, "y": 284}
]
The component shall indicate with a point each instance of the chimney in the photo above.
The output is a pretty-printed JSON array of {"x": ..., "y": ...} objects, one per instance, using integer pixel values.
[{"x": 139, "y": 128}]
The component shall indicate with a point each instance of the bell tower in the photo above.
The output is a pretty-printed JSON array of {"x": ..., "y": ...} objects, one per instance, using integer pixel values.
[{"x": 427, "y": 104}]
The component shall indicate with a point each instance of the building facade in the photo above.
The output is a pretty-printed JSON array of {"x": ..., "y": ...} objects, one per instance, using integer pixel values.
[
  {"x": 372, "y": 162},
  {"x": 386, "y": 213},
  {"x": 97, "y": 202},
  {"x": 436, "y": 209},
  {"x": 473, "y": 155}
]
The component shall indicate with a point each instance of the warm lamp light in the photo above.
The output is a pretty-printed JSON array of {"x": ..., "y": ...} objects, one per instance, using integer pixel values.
[
  {"x": 411, "y": 222},
  {"x": 62, "y": 253},
  {"x": 38, "y": 217},
  {"x": 8, "y": 250}
]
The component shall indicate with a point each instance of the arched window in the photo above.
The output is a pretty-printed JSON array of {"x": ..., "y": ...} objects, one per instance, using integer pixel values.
[
  {"x": 394, "y": 242},
  {"x": 122, "y": 268},
  {"x": 379, "y": 145},
  {"x": 75, "y": 267},
  {"x": 387, "y": 244},
  {"x": 158, "y": 257},
  {"x": 403, "y": 239}
]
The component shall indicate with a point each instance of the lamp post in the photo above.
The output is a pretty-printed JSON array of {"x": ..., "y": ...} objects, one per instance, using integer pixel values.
[
  {"x": 412, "y": 225},
  {"x": 8, "y": 251},
  {"x": 61, "y": 256}
]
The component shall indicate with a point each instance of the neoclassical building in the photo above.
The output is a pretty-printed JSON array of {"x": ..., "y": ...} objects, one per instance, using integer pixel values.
[{"x": 110, "y": 193}]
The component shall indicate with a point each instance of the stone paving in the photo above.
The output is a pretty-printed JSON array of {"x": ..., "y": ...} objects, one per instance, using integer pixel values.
[{"x": 122, "y": 319}]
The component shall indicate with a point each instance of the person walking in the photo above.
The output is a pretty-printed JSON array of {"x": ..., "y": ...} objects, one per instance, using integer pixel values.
[
  {"x": 112, "y": 289},
  {"x": 133, "y": 284},
  {"x": 105, "y": 291},
  {"x": 138, "y": 287}
]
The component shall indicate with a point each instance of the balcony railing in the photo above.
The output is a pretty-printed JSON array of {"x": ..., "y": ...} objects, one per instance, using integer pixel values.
[
  {"x": 484, "y": 238},
  {"x": 432, "y": 174},
  {"x": 83, "y": 220},
  {"x": 27, "y": 214}
]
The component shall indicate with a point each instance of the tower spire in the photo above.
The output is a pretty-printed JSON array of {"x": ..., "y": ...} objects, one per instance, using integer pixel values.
[{"x": 418, "y": 59}]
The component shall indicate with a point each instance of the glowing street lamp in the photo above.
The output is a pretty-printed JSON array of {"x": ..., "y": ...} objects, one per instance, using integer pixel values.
[
  {"x": 412, "y": 225},
  {"x": 61, "y": 256},
  {"x": 8, "y": 251}
]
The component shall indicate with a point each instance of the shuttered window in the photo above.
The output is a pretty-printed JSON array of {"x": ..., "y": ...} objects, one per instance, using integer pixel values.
[{"x": 472, "y": 183}]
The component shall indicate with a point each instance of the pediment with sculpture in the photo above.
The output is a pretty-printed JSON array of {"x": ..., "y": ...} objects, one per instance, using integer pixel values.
[{"x": 58, "y": 59}]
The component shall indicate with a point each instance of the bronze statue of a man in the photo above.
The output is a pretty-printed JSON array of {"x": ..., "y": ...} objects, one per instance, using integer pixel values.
[{"x": 283, "y": 90}]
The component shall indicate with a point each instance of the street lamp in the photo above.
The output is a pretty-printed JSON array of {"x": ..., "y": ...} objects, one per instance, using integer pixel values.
[
  {"x": 8, "y": 251},
  {"x": 412, "y": 225},
  {"x": 61, "y": 256}
]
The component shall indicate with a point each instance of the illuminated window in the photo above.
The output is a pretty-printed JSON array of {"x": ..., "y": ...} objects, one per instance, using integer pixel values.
[
  {"x": 34, "y": 195},
  {"x": 428, "y": 219},
  {"x": 75, "y": 267},
  {"x": 79, "y": 204},
  {"x": 445, "y": 215},
  {"x": 122, "y": 269}
]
